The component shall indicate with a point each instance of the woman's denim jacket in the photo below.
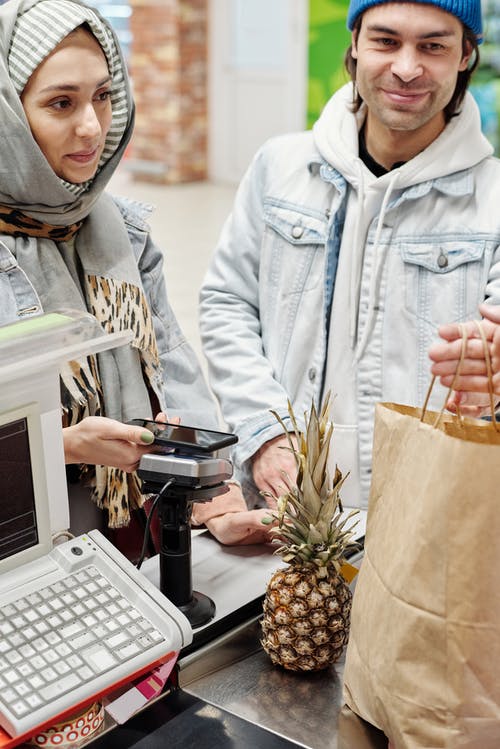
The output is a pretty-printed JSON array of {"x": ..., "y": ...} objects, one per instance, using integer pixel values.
[{"x": 184, "y": 389}]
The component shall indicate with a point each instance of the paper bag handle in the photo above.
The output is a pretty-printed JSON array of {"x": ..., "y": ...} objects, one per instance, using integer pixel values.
[{"x": 489, "y": 371}]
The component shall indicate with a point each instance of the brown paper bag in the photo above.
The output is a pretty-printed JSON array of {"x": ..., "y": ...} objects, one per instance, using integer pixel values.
[{"x": 423, "y": 660}]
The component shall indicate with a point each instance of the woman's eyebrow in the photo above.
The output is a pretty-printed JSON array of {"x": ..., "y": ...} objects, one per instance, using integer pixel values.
[{"x": 71, "y": 86}]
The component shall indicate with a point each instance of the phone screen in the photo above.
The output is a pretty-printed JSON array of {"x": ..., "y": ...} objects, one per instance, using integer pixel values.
[{"x": 186, "y": 438}]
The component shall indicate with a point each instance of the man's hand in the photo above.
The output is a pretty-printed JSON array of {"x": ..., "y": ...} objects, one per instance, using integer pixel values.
[
  {"x": 268, "y": 465},
  {"x": 98, "y": 440},
  {"x": 471, "y": 387}
]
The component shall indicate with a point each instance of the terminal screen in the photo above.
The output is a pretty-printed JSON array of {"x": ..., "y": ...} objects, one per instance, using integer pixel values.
[{"x": 18, "y": 528}]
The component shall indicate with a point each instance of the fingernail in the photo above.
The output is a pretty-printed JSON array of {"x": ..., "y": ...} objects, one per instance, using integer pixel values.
[{"x": 147, "y": 437}]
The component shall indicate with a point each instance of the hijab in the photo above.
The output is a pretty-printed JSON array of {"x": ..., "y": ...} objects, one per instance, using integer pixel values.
[{"x": 71, "y": 240}]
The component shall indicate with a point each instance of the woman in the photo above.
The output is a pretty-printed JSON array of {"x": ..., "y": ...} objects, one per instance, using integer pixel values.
[{"x": 67, "y": 116}]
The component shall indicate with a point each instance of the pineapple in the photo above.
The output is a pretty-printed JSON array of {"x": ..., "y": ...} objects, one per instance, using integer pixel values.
[{"x": 307, "y": 605}]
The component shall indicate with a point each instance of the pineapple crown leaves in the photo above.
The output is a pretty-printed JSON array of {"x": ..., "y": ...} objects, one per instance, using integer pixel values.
[{"x": 311, "y": 524}]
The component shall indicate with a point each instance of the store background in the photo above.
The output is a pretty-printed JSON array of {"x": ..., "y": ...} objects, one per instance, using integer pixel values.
[{"x": 213, "y": 80}]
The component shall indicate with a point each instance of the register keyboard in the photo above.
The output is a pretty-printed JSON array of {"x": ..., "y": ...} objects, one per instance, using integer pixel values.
[{"x": 72, "y": 625}]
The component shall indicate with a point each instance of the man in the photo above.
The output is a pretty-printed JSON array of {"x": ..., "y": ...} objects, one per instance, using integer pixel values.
[{"x": 350, "y": 244}]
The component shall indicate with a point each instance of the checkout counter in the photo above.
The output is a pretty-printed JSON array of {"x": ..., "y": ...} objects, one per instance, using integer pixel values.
[
  {"x": 227, "y": 693},
  {"x": 224, "y": 690}
]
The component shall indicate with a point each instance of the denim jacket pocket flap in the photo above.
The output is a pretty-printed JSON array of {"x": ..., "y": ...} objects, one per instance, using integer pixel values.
[
  {"x": 443, "y": 257},
  {"x": 295, "y": 226}
]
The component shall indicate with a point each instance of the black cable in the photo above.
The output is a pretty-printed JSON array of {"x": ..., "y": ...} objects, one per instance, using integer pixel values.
[{"x": 150, "y": 517}]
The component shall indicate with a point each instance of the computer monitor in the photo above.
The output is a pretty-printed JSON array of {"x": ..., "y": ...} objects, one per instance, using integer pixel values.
[{"x": 24, "y": 506}]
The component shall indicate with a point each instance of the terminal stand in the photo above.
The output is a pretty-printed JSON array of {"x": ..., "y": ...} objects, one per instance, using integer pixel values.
[{"x": 176, "y": 492}]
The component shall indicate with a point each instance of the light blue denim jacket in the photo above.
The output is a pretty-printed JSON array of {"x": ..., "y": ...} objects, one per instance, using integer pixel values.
[
  {"x": 403, "y": 253},
  {"x": 183, "y": 390}
]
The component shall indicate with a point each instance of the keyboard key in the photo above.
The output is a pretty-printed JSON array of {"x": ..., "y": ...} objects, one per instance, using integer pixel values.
[
  {"x": 49, "y": 674},
  {"x": 16, "y": 639},
  {"x": 22, "y": 688},
  {"x": 62, "y": 667},
  {"x": 100, "y": 632},
  {"x": 25, "y": 669},
  {"x": 71, "y": 630},
  {"x": 27, "y": 651},
  {"x": 51, "y": 656},
  {"x": 55, "y": 621},
  {"x": 74, "y": 660},
  {"x": 42, "y": 627},
  {"x": 63, "y": 650},
  {"x": 8, "y": 611},
  {"x": 19, "y": 708},
  {"x": 34, "y": 700},
  {"x": 8, "y": 695},
  {"x": 85, "y": 673},
  {"x": 128, "y": 651},
  {"x": 31, "y": 615},
  {"x": 14, "y": 657},
  {"x": 100, "y": 659},
  {"x": 52, "y": 691},
  {"x": 84, "y": 639},
  {"x": 36, "y": 681}
]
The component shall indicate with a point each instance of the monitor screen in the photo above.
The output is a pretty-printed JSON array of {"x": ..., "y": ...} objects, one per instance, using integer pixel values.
[{"x": 24, "y": 530}]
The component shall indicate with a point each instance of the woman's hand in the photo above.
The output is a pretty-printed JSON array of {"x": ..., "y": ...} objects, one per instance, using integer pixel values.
[
  {"x": 471, "y": 387},
  {"x": 97, "y": 440},
  {"x": 231, "y": 522}
]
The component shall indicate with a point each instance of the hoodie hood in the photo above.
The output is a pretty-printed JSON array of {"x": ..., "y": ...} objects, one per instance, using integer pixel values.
[
  {"x": 460, "y": 146},
  {"x": 336, "y": 138}
]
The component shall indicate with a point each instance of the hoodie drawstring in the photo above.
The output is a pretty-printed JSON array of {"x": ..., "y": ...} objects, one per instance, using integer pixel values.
[{"x": 376, "y": 275}]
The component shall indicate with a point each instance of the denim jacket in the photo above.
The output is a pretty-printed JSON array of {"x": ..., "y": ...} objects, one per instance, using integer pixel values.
[
  {"x": 183, "y": 390},
  {"x": 325, "y": 275}
]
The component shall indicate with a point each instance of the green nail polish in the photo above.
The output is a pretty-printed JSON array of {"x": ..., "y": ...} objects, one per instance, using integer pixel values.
[{"x": 147, "y": 438}]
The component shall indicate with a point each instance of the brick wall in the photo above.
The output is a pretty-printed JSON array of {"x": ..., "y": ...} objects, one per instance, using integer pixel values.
[{"x": 168, "y": 63}]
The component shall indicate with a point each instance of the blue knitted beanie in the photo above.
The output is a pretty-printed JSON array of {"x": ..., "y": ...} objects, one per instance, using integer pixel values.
[{"x": 467, "y": 11}]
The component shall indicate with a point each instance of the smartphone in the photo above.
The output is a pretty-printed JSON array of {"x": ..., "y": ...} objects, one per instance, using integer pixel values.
[{"x": 182, "y": 438}]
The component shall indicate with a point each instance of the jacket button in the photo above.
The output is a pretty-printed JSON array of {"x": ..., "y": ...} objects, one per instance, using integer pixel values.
[
  {"x": 297, "y": 232},
  {"x": 442, "y": 260},
  {"x": 312, "y": 374}
]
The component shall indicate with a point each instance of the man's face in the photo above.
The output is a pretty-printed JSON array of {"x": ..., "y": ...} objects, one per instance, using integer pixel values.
[{"x": 408, "y": 58}]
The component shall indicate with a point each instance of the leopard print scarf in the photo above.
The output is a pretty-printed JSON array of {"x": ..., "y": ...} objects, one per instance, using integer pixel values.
[
  {"x": 18, "y": 224},
  {"x": 97, "y": 385}
]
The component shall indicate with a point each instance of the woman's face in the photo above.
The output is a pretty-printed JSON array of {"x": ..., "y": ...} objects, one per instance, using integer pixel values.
[{"x": 67, "y": 103}]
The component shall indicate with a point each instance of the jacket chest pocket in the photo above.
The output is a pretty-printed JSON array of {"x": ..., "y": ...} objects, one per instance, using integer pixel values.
[
  {"x": 293, "y": 249},
  {"x": 444, "y": 282}
]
